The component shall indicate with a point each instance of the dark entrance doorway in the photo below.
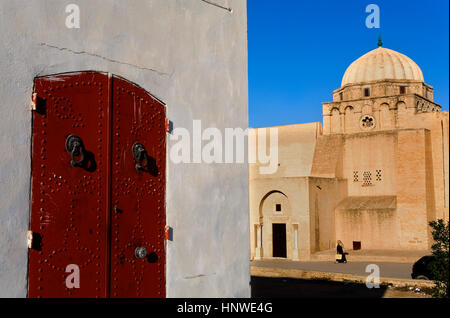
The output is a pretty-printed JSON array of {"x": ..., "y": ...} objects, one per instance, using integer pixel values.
[
  {"x": 279, "y": 240},
  {"x": 98, "y": 189}
]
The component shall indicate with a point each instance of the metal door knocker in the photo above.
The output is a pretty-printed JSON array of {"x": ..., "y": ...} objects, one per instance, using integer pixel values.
[
  {"x": 74, "y": 145},
  {"x": 140, "y": 155}
]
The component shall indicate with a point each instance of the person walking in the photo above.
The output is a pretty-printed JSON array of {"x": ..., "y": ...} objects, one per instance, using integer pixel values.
[{"x": 340, "y": 255}]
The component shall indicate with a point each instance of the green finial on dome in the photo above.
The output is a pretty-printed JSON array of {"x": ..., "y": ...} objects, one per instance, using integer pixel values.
[{"x": 380, "y": 44}]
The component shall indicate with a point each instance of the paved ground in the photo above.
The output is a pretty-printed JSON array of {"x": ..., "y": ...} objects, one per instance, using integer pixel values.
[
  {"x": 266, "y": 287},
  {"x": 387, "y": 269},
  {"x": 367, "y": 255}
]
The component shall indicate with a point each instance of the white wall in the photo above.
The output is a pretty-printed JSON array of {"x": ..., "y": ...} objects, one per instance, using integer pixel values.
[{"x": 190, "y": 54}]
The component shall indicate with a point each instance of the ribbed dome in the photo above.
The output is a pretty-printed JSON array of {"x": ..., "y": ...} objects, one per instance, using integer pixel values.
[{"x": 381, "y": 64}]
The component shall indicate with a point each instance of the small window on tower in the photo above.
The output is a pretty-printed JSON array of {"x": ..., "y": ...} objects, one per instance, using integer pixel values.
[
  {"x": 278, "y": 207},
  {"x": 366, "y": 92},
  {"x": 367, "y": 178},
  {"x": 378, "y": 175},
  {"x": 341, "y": 96},
  {"x": 402, "y": 89},
  {"x": 355, "y": 176}
]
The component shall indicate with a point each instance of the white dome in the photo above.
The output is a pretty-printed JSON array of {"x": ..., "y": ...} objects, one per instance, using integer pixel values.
[{"x": 381, "y": 64}]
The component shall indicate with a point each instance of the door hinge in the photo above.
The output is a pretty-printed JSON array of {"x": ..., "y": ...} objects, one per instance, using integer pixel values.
[
  {"x": 168, "y": 233},
  {"x": 37, "y": 104},
  {"x": 30, "y": 239},
  {"x": 34, "y": 240},
  {"x": 33, "y": 101},
  {"x": 169, "y": 126}
]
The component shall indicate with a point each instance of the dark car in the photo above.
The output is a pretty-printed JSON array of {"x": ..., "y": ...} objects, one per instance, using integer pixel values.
[{"x": 422, "y": 268}]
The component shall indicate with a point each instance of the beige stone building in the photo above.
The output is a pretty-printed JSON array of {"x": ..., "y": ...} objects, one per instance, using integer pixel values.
[{"x": 372, "y": 175}]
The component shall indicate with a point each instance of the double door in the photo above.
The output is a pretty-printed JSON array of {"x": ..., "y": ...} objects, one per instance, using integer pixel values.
[{"x": 98, "y": 189}]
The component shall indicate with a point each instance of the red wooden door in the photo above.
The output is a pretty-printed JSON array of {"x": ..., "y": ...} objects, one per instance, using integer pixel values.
[
  {"x": 82, "y": 163},
  {"x": 137, "y": 193}
]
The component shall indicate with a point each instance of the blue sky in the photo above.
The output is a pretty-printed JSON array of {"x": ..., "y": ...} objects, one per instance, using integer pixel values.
[{"x": 299, "y": 51}]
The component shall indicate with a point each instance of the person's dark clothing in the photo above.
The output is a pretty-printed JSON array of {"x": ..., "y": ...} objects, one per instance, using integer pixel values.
[{"x": 340, "y": 250}]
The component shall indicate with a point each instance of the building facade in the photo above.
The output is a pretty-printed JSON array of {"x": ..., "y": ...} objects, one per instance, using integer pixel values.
[{"x": 372, "y": 175}]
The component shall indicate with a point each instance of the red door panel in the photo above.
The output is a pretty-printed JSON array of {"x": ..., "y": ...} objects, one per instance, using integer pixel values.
[
  {"x": 137, "y": 193},
  {"x": 68, "y": 209},
  {"x": 91, "y": 206}
]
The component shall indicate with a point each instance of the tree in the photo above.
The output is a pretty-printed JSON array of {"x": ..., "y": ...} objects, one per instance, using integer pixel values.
[{"x": 440, "y": 265}]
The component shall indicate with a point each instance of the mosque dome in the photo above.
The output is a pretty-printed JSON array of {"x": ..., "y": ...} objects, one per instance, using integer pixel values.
[{"x": 382, "y": 64}]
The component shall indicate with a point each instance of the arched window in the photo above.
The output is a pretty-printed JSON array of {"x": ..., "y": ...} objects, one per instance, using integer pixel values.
[
  {"x": 385, "y": 116},
  {"x": 349, "y": 119},
  {"x": 335, "y": 121}
]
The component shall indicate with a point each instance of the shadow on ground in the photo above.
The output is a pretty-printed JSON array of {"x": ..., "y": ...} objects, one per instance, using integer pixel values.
[{"x": 263, "y": 287}]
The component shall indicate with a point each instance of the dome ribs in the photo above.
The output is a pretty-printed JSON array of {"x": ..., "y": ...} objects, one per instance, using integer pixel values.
[{"x": 382, "y": 64}]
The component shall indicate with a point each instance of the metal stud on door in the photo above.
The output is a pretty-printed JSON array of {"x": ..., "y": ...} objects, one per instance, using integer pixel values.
[
  {"x": 138, "y": 172},
  {"x": 98, "y": 189}
]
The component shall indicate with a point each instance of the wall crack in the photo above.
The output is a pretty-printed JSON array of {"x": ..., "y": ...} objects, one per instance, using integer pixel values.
[
  {"x": 217, "y": 5},
  {"x": 104, "y": 58},
  {"x": 198, "y": 276}
]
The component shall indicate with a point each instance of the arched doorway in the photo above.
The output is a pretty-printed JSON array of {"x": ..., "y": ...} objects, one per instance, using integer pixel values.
[
  {"x": 98, "y": 189},
  {"x": 276, "y": 229}
]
